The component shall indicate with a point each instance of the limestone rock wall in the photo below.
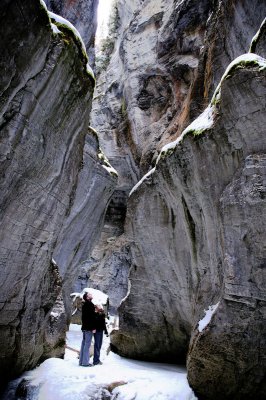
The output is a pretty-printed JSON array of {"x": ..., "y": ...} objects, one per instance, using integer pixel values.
[
  {"x": 230, "y": 29},
  {"x": 141, "y": 94},
  {"x": 83, "y": 226},
  {"x": 191, "y": 224},
  {"x": 196, "y": 228},
  {"x": 140, "y": 101},
  {"x": 168, "y": 58},
  {"x": 45, "y": 99}
]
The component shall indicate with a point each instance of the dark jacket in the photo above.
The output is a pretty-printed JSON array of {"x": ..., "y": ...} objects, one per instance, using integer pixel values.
[
  {"x": 100, "y": 322},
  {"x": 88, "y": 316}
]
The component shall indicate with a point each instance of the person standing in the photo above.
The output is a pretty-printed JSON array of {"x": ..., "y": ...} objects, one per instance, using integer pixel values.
[
  {"x": 98, "y": 335},
  {"x": 88, "y": 328}
]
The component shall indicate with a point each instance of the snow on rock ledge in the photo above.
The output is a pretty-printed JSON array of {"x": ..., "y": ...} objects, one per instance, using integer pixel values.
[
  {"x": 60, "y": 22},
  {"x": 203, "y": 323}
]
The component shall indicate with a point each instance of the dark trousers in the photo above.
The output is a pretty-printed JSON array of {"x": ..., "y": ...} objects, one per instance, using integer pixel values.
[
  {"x": 98, "y": 340},
  {"x": 84, "y": 355}
]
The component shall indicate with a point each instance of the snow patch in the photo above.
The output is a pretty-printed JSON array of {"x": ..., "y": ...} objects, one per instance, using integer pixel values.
[
  {"x": 62, "y": 21},
  {"x": 43, "y": 4},
  {"x": 54, "y": 314},
  {"x": 99, "y": 297},
  {"x": 106, "y": 165},
  {"x": 142, "y": 180},
  {"x": 255, "y": 38},
  {"x": 89, "y": 70},
  {"x": 110, "y": 169},
  {"x": 207, "y": 318},
  {"x": 203, "y": 122},
  {"x": 55, "y": 29},
  {"x": 128, "y": 292},
  {"x": 247, "y": 58}
]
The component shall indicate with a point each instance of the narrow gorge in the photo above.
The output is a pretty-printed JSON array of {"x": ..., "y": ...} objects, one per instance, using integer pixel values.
[{"x": 140, "y": 171}]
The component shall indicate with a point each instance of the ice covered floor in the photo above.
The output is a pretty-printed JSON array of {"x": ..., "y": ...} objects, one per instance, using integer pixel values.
[{"x": 66, "y": 380}]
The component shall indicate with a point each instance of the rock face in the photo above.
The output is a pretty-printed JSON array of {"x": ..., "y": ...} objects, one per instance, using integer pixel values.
[
  {"x": 168, "y": 58},
  {"x": 137, "y": 102},
  {"x": 197, "y": 224},
  {"x": 83, "y": 225},
  {"x": 108, "y": 269},
  {"x": 83, "y": 15},
  {"x": 45, "y": 98},
  {"x": 234, "y": 343},
  {"x": 139, "y": 97},
  {"x": 194, "y": 227}
]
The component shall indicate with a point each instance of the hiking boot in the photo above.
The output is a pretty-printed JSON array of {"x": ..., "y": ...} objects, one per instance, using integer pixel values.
[
  {"x": 98, "y": 363},
  {"x": 87, "y": 365}
]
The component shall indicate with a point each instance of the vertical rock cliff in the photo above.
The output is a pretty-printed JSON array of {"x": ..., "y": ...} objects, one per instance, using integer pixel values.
[
  {"x": 197, "y": 228},
  {"x": 46, "y": 90},
  {"x": 194, "y": 226},
  {"x": 168, "y": 58},
  {"x": 83, "y": 226},
  {"x": 141, "y": 102}
]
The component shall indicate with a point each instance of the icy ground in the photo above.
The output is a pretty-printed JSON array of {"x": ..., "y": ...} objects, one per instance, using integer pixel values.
[{"x": 117, "y": 379}]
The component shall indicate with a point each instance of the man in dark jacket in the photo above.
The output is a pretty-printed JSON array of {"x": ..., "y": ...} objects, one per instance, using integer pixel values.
[{"x": 88, "y": 328}]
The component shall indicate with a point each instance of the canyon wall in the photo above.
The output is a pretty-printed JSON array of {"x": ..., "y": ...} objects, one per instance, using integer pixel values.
[
  {"x": 193, "y": 235},
  {"x": 46, "y": 91},
  {"x": 168, "y": 57},
  {"x": 189, "y": 237},
  {"x": 140, "y": 103},
  {"x": 196, "y": 232}
]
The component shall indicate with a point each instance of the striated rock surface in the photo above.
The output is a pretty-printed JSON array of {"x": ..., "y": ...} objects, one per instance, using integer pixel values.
[
  {"x": 83, "y": 225},
  {"x": 141, "y": 93},
  {"x": 258, "y": 43},
  {"x": 83, "y": 15},
  {"x": 230, "y": 29},
  {"x": 231, "y": 350},
  {"x": 196, "y": 228},
  {"x": 168, "y": 57},
  {"x": 136, "y": 104},
  {"x": 45, "y": 99},
  {"x": 108, "y": 269}
]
